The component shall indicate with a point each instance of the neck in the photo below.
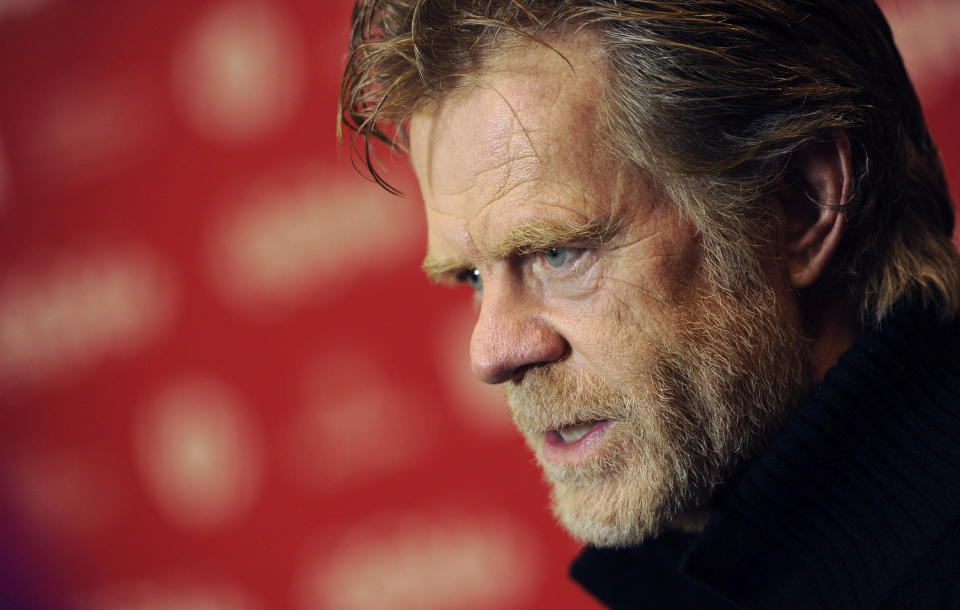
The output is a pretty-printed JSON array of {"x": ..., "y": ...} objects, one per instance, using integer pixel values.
[{"x": 829, "y": 320}]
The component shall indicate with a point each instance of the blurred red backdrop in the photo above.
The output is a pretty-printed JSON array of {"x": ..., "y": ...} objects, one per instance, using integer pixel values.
[{"x": 224, "y": 383}]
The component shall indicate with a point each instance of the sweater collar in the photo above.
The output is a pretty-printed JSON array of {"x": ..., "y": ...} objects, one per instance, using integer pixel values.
[{"x": 860, "y": 481}]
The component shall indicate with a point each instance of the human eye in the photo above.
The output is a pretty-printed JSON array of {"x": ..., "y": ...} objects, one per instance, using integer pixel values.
[
  {"x": 559, "y": 258},
  {"x": 471, "y": 277}
]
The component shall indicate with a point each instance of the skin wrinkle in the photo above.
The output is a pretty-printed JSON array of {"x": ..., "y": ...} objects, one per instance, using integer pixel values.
[
  {"x": 691, "y": 340},
  {"x": 532, "y": 237},
  {"x": 623, "y": 330},
  {"x": 509, "y": 160},
  {"x": 520, "y": 241},
  {"x": 670, "y": 74},
  {"x": 483, "y": 83},
  {"x": 431, "y": 265},
  {"x": 537, "y": 235},
  {"x": 479, "y": 257}
]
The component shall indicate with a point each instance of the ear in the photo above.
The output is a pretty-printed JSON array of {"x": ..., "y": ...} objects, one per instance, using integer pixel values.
[{"x": 813, "y": 208}]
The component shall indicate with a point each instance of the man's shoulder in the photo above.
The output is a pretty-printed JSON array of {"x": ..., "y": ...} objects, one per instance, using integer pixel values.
[{"x": 934, "y": 580}]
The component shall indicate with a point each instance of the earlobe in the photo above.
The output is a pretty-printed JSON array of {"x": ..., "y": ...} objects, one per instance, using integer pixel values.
[{"x": 813, "y": 208}]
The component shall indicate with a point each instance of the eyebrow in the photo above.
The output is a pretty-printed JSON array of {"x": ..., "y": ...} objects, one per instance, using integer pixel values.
[{"x": 533, "y": 236}]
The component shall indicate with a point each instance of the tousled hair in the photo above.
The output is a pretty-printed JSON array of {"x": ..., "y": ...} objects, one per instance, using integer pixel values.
[{"x": 713, "y": 98}]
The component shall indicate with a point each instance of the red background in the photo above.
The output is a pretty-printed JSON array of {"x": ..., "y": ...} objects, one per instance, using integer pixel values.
[{"x": 224, "y": 383}]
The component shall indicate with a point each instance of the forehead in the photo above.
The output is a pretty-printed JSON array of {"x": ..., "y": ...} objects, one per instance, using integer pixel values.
[{"x": 522, "y": 131}]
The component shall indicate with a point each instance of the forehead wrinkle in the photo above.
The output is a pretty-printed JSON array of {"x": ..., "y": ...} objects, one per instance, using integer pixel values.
[
  {"x": 518, "y": 160},
  {"x": 443, "y": 117},
  {"x": 513, "y": 113},
  {"x": 510, "y": 174},
  {"x": 510, "y": 159}
]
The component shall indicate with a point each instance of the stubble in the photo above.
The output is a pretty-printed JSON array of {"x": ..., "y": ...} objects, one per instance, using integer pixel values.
[{"x": 722, "y": 383}]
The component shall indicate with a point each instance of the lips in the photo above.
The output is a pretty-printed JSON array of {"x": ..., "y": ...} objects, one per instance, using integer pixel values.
[{"x": 575, "y": 443}]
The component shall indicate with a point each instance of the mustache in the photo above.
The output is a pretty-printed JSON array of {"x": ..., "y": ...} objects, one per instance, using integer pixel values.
[{"x": 551, "y": 397}]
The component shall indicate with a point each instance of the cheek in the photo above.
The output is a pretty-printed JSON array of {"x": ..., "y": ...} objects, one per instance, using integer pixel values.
[
  {"x": 646, "y": 294},
  {"x": 615, "y": 333},
  {"x": 573, "y": 289},
  {"x": 633, "y": 315},
  {"x": 658, "y": 252}
]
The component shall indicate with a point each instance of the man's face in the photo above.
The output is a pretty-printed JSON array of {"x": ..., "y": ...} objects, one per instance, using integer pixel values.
[{"x": 635, "y": 382}]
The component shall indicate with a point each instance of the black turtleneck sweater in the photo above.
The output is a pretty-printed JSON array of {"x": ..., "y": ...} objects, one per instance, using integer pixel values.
[{"x": 855, "y": 504}]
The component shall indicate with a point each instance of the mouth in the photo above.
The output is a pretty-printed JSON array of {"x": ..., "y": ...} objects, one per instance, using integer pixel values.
[{"x": 576, "y": 443}]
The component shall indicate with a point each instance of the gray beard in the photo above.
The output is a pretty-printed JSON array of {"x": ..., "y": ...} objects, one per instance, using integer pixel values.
[{"x": 722, "y": 384}]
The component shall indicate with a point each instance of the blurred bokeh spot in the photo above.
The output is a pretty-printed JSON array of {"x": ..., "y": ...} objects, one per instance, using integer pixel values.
[
  {"x": 424, "y": 561},
  {"x": 306, "y": 234},
  {"x": 63, "y": 313},
  {"x": 199, "y": 453},
  {"x": 238, "y": 70},
  {"x": 224, "y": 382}
]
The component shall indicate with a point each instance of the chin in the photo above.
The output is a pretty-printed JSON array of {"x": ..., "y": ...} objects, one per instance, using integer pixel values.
[
  {"x": 621, "y": 505},
  {"x": 603, "y": 515}
]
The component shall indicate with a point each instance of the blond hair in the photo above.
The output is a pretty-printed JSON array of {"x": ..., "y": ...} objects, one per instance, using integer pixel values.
[{"x": 712, "y": 98}]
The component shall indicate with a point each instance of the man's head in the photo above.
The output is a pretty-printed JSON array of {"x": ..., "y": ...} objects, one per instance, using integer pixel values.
[{"x": 671, "y": 212}]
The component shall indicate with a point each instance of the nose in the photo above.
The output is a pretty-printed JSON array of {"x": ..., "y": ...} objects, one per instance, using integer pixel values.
[{"x": 511, "y": 335}]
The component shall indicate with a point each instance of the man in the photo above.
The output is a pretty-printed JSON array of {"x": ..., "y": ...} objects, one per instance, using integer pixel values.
[{"x": 710, "y": 243}]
